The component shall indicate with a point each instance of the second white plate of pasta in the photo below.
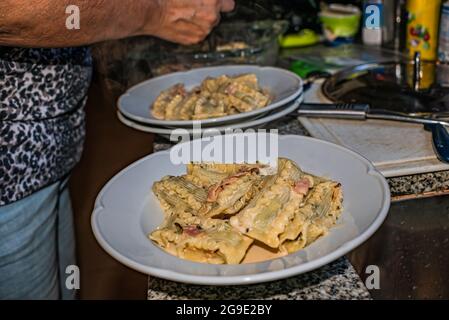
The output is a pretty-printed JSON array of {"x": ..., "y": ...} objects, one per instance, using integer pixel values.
[
  {"x": 234, "y": 224},
  {"x": 211, "y": 95}
]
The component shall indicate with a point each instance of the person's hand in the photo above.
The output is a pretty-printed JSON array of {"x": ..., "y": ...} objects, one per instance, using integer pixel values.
[{"x": 187, "y": 21}]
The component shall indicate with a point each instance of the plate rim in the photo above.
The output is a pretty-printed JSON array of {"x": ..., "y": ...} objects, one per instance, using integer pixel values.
[
  {"x": 212, "y": 121},
  {"x": 252, "y": 278},
  {"x": 238, "y": 125}
]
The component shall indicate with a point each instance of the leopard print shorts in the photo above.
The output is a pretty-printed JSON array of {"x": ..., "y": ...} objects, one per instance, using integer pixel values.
[{"x": 42, "y": 95}]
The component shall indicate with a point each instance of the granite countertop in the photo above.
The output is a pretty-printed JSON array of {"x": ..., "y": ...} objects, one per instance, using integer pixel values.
[{"x": 337, "y": 280}]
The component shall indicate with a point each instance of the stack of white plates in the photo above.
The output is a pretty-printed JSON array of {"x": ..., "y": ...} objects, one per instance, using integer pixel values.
[{"x": 286, "y": 88}]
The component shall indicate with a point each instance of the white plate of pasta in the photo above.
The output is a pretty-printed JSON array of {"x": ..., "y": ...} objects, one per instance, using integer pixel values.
[
  {"x": 240, "y": 223},
  {"x": 210, "y": 95}
]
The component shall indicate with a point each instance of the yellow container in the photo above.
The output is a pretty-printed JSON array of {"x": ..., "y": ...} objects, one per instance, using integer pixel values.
[{"x": 422, "y": 28}]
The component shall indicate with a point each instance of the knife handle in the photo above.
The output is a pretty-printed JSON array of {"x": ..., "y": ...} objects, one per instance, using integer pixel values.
[{"x": 335, "y": 110}]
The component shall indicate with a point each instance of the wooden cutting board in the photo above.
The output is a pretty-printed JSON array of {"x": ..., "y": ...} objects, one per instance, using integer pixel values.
[{"x": 395, "y": 148}]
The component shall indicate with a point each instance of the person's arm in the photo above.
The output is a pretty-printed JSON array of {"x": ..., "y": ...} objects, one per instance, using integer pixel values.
[{"x": 42, "y": 23}]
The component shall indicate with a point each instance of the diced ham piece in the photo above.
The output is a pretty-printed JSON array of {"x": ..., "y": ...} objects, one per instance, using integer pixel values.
[
  {"x": 302, "y": 186},
  {"x": 179, "y": 89},
  {"x": 215, "y": 190},
  {"x": 231, "y": 89},
  {"x": 192, "y": 231}
]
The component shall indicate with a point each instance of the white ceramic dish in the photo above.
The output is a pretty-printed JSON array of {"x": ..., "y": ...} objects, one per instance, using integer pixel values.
[
  {"x": 285, "y": 86},
  {"x": 252, "y": 123},
  {"x": 126, "y": 211}
]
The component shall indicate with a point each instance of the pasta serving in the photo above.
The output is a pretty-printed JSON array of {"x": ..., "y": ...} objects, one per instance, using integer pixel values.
[
  {"x": 215, "y": 97},
  {"x": 216, "y": 213}
]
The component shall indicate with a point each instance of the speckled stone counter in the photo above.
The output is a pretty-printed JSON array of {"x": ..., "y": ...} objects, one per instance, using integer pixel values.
[{"x": 425, "y": 184}]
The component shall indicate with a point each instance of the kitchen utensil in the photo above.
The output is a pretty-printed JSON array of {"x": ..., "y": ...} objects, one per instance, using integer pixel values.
[
  {"x": 395, "y": 148},
  {"x": 400, "y": 21},
  {"x": 362, "y": 111},
  {"x": 283, "y": 85},
  {"x": 126, "y": 211},
  {"x": 440, "y": 138}
]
